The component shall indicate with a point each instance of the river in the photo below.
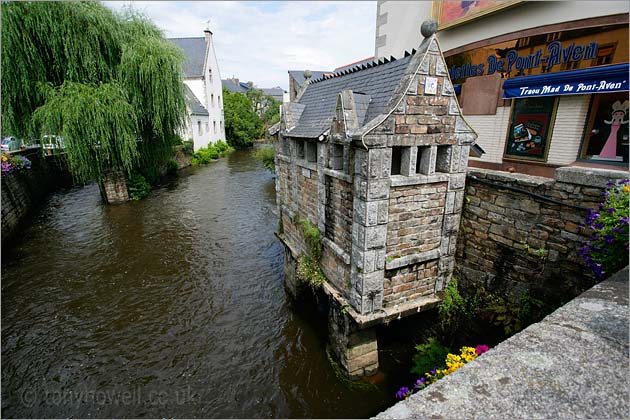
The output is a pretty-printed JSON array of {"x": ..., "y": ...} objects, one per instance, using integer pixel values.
[{"x": 173, "y": 306}]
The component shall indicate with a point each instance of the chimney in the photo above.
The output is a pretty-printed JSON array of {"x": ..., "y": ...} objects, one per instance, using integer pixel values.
[{"x": 207, "y": 32}]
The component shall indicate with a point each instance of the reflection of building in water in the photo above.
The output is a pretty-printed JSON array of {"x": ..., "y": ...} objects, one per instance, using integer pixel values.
[{"x": 557, "y": 66}]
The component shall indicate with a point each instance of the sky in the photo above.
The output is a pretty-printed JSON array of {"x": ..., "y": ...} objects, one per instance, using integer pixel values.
[{"x": 260, "y": 41}]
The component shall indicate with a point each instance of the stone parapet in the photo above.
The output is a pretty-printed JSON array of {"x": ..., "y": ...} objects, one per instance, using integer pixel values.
[{"x": 573, "y": 364}]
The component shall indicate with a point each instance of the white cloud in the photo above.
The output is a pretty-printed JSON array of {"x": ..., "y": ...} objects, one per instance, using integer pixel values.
[{"x": 260, "y": 41}]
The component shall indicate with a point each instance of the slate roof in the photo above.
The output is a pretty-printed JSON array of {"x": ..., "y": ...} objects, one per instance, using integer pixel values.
[
  {"x": 275, "y": 92},
  {"x": 233, "y": 87},
  {"x": 320, "y": 98},
  {"x": 356, "y": 63},
  {"x": 196, "y": 108},
  {"x": 298, "y": 75},
  {"x": 195, "y": 53}
]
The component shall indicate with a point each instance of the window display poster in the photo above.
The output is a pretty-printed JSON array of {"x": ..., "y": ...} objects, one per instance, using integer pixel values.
[
  {"x": 530, "y": 126},
  {"x": 606, "y": 134}
]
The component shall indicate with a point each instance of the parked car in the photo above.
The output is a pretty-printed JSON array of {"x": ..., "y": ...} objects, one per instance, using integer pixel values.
[{"x": 11, "y": 143}]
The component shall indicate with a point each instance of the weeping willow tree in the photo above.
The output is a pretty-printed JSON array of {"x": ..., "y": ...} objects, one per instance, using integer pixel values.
[{"x": 109, "y": 84}]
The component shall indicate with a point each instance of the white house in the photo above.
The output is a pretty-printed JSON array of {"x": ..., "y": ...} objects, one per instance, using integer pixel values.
[{"x": 204, "y": 91}]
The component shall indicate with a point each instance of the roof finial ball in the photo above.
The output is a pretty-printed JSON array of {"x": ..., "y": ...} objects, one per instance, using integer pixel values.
[
  {"x": 308, "y": 74},
  {"x": 428, "y": 28}
]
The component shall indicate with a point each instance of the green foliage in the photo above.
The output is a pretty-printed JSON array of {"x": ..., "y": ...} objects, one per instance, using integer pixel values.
[
  {"x": 313, "y": 239},
  {"x": 214, "y": 151},
  {"x": 242, "y": 124},
  {"x": 309, "y": 272},
  {"x": 454, "y": 309},
  {"x": 266, "y": 154},
  {"x": 109, "y": 84},
  {"x": 222, "y": 147},
  {"x": 189, "y": 147},
  {"x": 541, "y": 253},
  {"x": 138, "y": 187},
  {"x": 428, "y": 355},
  {"x": 512, "y": 317},
  {"x": 172, "y": 166},
  {"x": 606, "y": 250}
]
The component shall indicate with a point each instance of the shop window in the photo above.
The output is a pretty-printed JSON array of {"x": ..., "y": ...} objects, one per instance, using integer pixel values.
[
  {"x": 299, "y": 147},
  {"x": 311, "y": 151},
  {"x": 531, "y": 125},
  {"x": 606, "y": 133},
  {"x": 443, "y": 159},
  {"x": 396, "y": 160},
  {"x": 336, "y": 157}
]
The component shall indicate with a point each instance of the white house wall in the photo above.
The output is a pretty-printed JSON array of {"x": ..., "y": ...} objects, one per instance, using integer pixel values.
[
  {"x": 214, "y": 95},
  {"x": 200, "y": 139},
  {"x": 198, "y": 88}
]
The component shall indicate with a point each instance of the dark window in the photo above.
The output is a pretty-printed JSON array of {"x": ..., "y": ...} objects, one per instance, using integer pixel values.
[
  {"x": 299, "y": 146},
  {"x": 311, "y": 151},
  {"x": 336, "y": 158},
  {"x": 443, "y": 159},
  {"x": 396, "y": 159}
]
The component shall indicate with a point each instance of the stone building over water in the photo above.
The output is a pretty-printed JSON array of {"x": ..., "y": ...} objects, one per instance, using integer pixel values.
[{"x": 373, "y": 157}]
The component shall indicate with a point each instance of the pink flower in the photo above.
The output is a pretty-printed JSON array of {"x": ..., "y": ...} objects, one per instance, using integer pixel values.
[{"x": 481, "y": 349}]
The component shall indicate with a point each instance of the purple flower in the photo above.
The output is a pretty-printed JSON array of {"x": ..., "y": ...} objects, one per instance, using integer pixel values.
[
  {"x": 598, "y": 226},
  {"x": 623, "y": 182},
  {"x": 610, "y": 184},
  {"x": 617, "y": 229},
  {"x": 481, "y": 349},
  {"x": 421, "y": 382},
  {"x": 610, "y": 209},
  {"x": 609, "y": 239},
  {"x": 623, "y": 220},
  {"x": 402, "y": 393},
  {"x": 433, "y": 371}
]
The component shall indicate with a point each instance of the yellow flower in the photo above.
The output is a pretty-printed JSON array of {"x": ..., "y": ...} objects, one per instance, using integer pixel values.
[
  {"x": 626, "y": 188},
  {"x": 4, "y": 158}
]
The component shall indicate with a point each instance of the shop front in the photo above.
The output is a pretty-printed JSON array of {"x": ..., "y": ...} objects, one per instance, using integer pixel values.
[{"x": 547, "y": 100}]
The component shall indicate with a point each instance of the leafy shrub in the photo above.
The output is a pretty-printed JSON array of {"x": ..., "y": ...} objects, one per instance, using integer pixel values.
[
  {"x": 138, "y": 187},
  {"x": 205, "y": 155},
  {"x": 606, "y": 251},
  {"x": 313, "y": 239},
  {"x": 455, "y": 311},
  {"x": 172, "y": 166},
  {"x": 189, "y": 147},
  {"x": 308, "y": 271},
  {"x": 428, "y": 355},
  {"x": 266, "y": 155},
  {"x": 222, "y": 147}
]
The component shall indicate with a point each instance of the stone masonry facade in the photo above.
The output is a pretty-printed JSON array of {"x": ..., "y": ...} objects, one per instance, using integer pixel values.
[
  {"x": 514, "y": 241},
  {"x": 381, "y": 173}
]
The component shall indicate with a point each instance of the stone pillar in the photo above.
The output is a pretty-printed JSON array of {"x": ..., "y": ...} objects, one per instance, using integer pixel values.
[
  {"x": 355, "y": 350},
  {"x": 114, "y": 187},
  {"x": 291, "y": 282}
]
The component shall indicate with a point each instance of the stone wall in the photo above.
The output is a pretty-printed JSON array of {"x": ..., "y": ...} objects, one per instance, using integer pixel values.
[
  {"x": 515, "y": 242},
  {"x": 23, "y": 192},
  {"x": 307, "y": 194},
  {"x": 410, "y": 207},
  {"x": 339, "y": 212},
  {"x": 409, "y": 283}
]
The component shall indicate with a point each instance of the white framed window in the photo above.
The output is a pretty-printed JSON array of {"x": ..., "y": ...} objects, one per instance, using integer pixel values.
[
  {"x": 212, "y": 99},
  {"x": 214, "y": 126},
  {"x": 210, "y": 75},
  {"x": 199, "y": 130},
  {"x": 207, "y": 127}
]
